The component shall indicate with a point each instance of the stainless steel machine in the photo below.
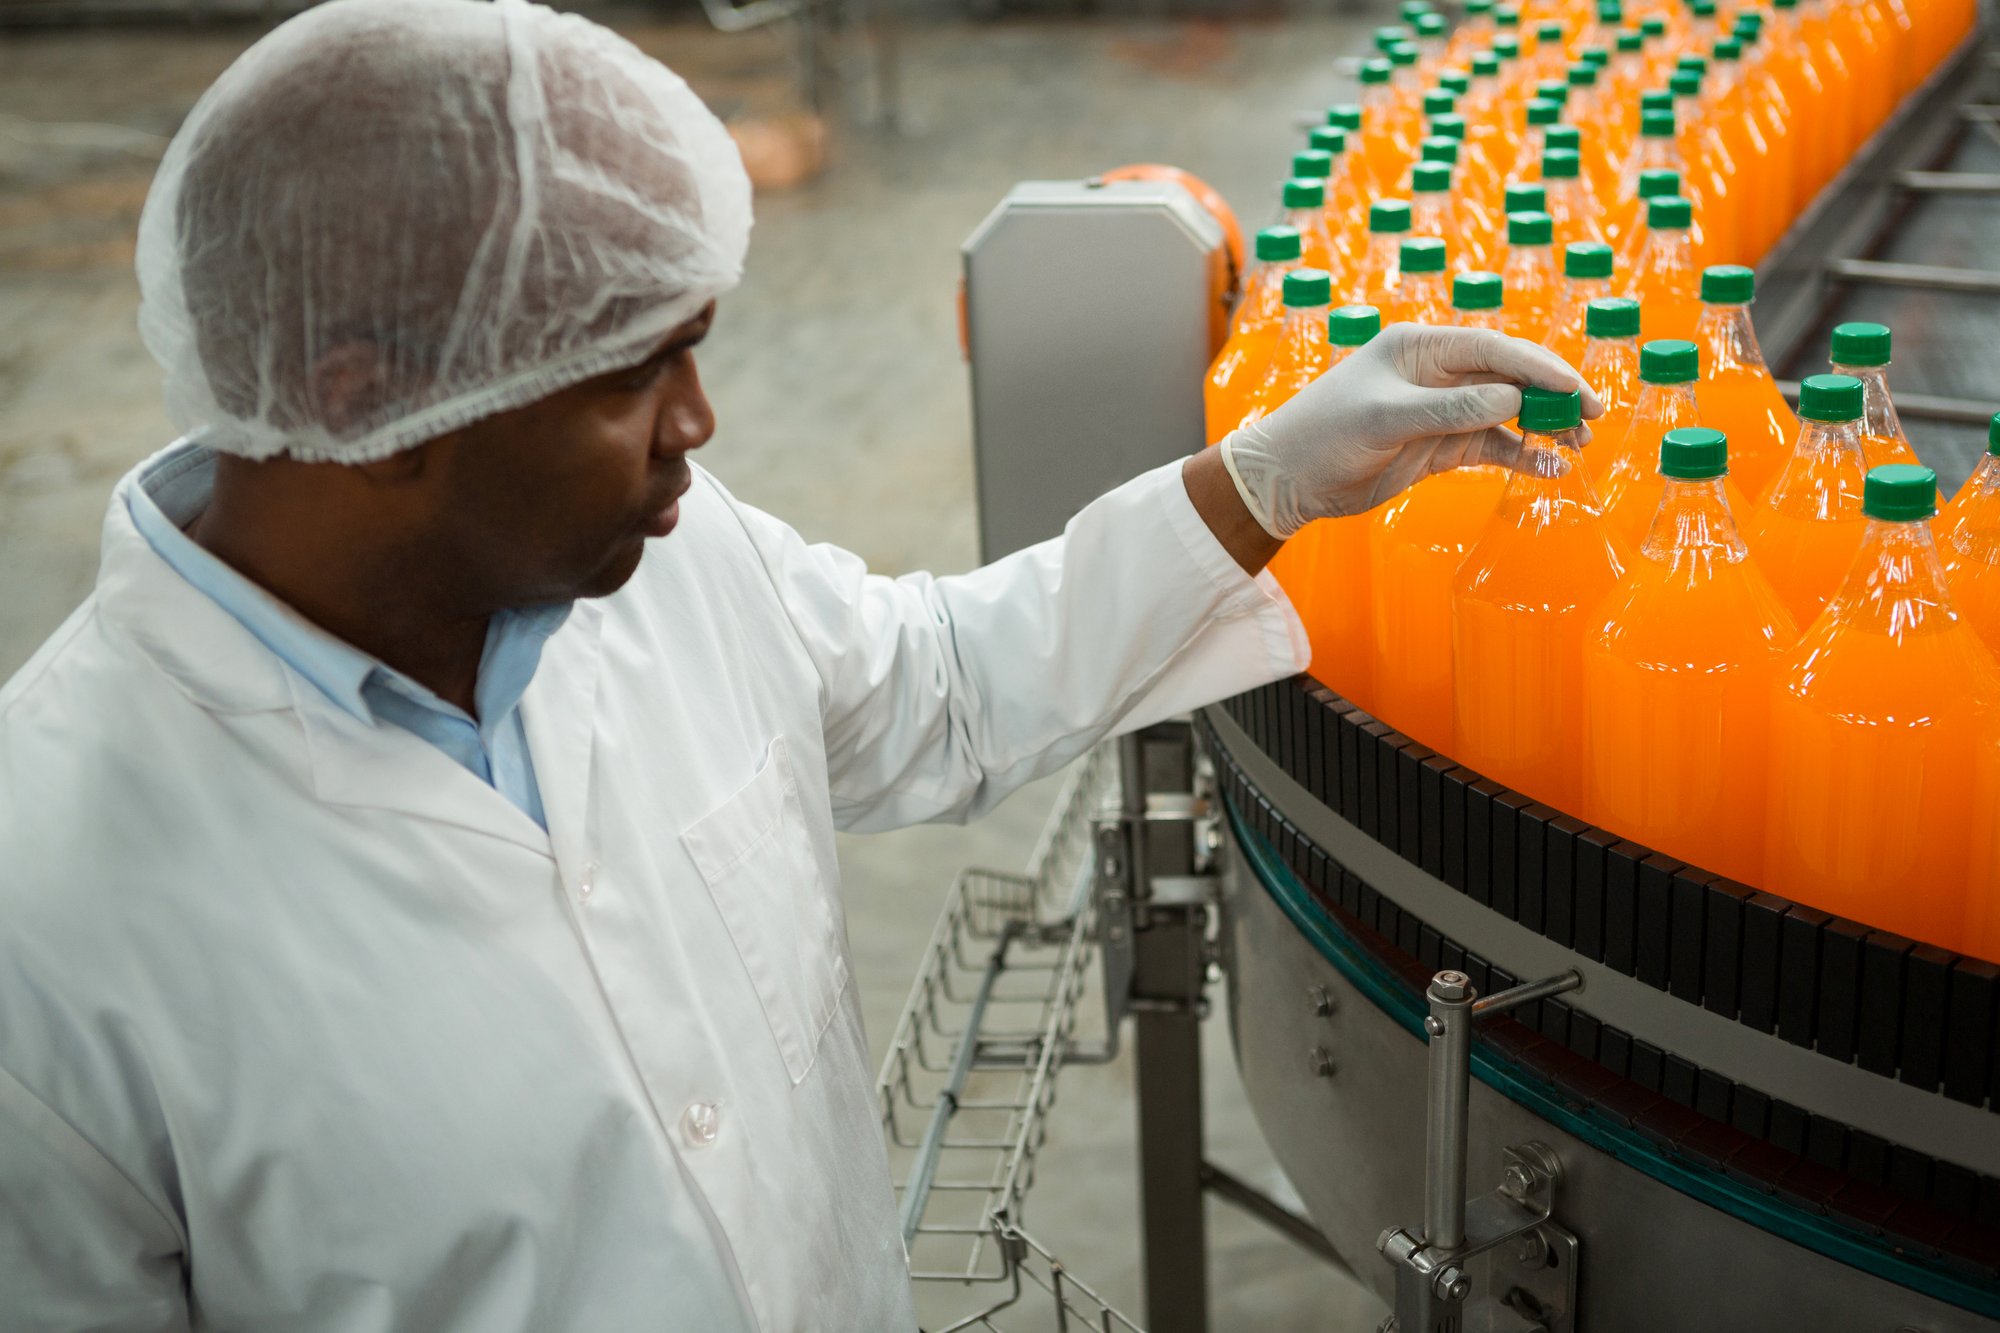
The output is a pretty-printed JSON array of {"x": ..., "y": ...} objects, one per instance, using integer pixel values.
[{"x": 1524, "y": 1075}]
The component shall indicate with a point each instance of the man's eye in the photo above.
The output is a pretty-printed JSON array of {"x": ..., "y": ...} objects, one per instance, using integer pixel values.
[{"x": 642, "y": 376}]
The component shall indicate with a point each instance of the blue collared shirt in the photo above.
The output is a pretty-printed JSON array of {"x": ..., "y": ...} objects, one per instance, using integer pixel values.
[{"x": 493, "y": 747}]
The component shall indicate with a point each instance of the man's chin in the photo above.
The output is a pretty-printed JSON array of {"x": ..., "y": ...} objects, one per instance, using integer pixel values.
[{"x": 616, "y": 572}]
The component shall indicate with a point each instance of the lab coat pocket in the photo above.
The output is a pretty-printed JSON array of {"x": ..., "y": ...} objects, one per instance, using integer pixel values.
[{"x": 755, "y": 854}]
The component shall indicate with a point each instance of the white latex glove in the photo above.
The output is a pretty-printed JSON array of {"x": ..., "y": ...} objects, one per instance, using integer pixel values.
[{"x": 1414, "y": 401}]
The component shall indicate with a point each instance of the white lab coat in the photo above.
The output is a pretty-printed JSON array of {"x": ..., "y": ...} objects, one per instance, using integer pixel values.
[{"x": 303, "y": 1027}]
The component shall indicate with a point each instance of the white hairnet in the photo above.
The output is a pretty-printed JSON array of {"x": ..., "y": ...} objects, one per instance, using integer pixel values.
[{"x": 390, "y": 218}]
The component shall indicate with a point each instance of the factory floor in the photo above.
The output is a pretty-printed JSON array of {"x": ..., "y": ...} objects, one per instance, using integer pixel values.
[{"x": 841, "y": 397}]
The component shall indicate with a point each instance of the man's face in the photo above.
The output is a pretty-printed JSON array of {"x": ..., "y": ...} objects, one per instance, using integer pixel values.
[{"x": 556, "y": 500}]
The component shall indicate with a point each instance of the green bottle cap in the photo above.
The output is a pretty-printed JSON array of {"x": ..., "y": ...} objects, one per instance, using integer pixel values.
[
  {"x": 1656, "y": 124},
  {"x": 1441, "y": 148},
  {"x": 1784, "y": 4},
  {"x": 1546, "y": 410},
  {"x": 1583, "y": 74},
  {"x": 1703, "y": 9},
  {"x": 1599, "y": 56},
  {"x": 1507, "y": 16},
  {"x": 1275, "y": 245},
  {"x": 1631, "y": 43},
  {"x": 1389, "y": 216},
  {"x": 1553, "y": 90},
  {"x": 1550, "y": 31},
  {"x": 1563, "y": 136},
  {"x": 1693, "y": 60},
  {"x": 1388, "y": 35},
  {"x": 1657, "y": 100},
  {"x": 1685, "y": 83},
  {"x": 1527, "y": 197},
  {"x": 1507, "y": 46},
  {"x": 1476, "y": 291},
  {"x": 1485, "y": 64},
  {"x": 1751, "y": 24},
  {"x": 1430, "y": 25},
  {"x": 1402, "y": 55},
  {"x": 1728, "y": 49},
  {"x": 1830, "y": 398},
  {"x": 1899, "y": 493},
  {"x": 1655, "y": 26},
  {"x": 1329, "y": 139},
  {"x": 1993, "y": 435},
  {"x": 1312, "y": 164},
  {"x": 1353, "y": 325},
  {"x": 1542, "y": 111},
  {"x": 1669, "y": 212},
  {"x": 1611, "y": 317},
  {"x": 1669, "y": 361},
  {"x": 1728, "y": 284},
  {"x": 1694, "y": 453},
  {"x": 1611, "y": 12},
  {"x": 1376, "y": 71},
  {"x": 1308, "y": 287},
  {"x": 1439, "y": 102},
  {"x": 1475, "y": 8},
  {"x": 1457, "y": 82},
  {"x": 1305, "y": 192},
  {"x": 1346, "y": 116},
  {"x": 1530, "y": 229},
  {"x": 1587, "y": 259},
  {"x": 1431, "y": 177},
  {"x": 1451, "y": 126},
  {"x": 1423, "y": 254},
  {"x": 1861, "y": 345},
  {"x": 1562, "y": 164},
  {"x": 1659, "y": 180},
  {"x": 1412, "y": 10}
]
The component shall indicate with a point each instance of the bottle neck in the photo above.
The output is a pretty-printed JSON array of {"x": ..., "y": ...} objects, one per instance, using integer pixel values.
[
  {"x": 1879, "y": 410},
  {"x": 1551, "y": 456},
  {"x": 1729, "y": 338},
  {"x": 1661, "y": 400},
  {"x": 1599, "y": 352},
  {"x": 1825, "y": 468},
  {"x": 1694, "y": 526},
  {"x": 1425, "y": 285},
  {"x": 1539, "y": 260},
  {"x": 1897, "y": 586},
  {"x": 1667, "y": 251},
  {"x": 1385, "y": 250},
  {"x": 1582, "y": 291}
]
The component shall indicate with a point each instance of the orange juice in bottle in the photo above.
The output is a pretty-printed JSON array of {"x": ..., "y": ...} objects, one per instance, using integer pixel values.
[
  {"x": 1540, "y": 114},
  {"x": 1969, "y": 539},
  {"x": 1657, "y": 149},
  {"x": 1305, "y": 209},
  {"x": 1610, "y": 367},
  {"x": 1654, "y": 182},
  {"x": 1300, "y": 353},
  {"x": 1378, "y": 278},
  {"x": 1530, "y": 272},
  {"x": 1873, "y": 727},
  {"x": 1862, "y": 350},
  {"x": 1738, "y": 395},
  {"x": 1714, "y": 171},
  {"x": 1345, "y": 212},
  {"x": 1474, "y": 32},
  {"x": 1332, "y": 563},
  {"x": 1678, "y": 668},
  {"x": 1474, "y": 173},
  {"x": 1425, "y": 297},
  {"x": 1520, "y": 605},
  {"x": 1668, "y": 370},
  {"x": 1586, "y": 278},
  {"x": 1822, "y": 140},
  {"x": 1666, "y": 281},
  {"x": 1238, "y": 369},
  {"x": 1388, "y": 129},
  {"x": 1568, "y": 198},
  {"x": 1766, "y": 207},
  {"x": 1806, "y": 529}
]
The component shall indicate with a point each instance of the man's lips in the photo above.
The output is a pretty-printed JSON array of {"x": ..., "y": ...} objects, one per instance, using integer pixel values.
[{"x": 667, "y": 515}]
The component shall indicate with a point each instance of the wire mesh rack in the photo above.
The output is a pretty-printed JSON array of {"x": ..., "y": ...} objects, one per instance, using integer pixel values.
[{"x": 970, "y": 1075}]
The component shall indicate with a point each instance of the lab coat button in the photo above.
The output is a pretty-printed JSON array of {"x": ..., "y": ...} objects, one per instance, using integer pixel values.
[
  {"x": 588, "y": 880},
  {"x": 701, "y": 1123}
]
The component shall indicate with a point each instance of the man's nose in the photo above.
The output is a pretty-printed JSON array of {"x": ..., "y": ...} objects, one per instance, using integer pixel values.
[{"x": 688, "y": 420}]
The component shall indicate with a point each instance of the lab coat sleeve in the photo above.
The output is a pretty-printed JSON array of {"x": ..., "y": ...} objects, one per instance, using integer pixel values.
[
  {"x": 942, "y": 695},
  {"x": 80, "y": 1246}
]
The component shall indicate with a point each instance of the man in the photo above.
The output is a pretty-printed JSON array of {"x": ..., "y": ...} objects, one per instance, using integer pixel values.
[{"x": 418, "y": 905}]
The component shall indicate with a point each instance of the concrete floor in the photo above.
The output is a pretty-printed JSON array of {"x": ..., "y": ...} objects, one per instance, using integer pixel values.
[{"x": 842, "y": 403}]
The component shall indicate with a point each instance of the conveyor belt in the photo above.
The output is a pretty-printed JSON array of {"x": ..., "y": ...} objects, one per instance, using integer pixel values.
[{"x": 1906, "y": 1011}]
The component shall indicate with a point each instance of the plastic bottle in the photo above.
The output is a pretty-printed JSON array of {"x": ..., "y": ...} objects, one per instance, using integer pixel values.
[
  {"x": 1424, "y": 297},
  {"x": 1824, "y": 133},
  {"x": 1300, "y": 354},
  {"x": 1305, "y": 208},
  {"x": 1969, "y": 539},
  {"x": 1520, "y": 605},
  {"x": 1668, "y": 370},
  {"x": 1764, "y": 212},
  {"x": 1657, "y": 150},
  {"x": 1378, "y": 279},
  {"x": 1586, "y": 278},
  {"x": 1678, "y": 668},
  {"x": 1476, "y": 300},
  {"x": 1433, "y": 211},
  {"x": 1238, "y": 369},
  {"x": 1862, "y": 350},
  {"x": 1805, "y": 531},
  {"x": 1738, "y": 395},
  {"x": 1331, "y": 562},
  {"x": 1872, "y": 736},
  {"x": 1666, "y": 281},
  {"x": 1610, "y": 367},
  {"x": 1527, "y": 165},
  {"x": 1530, "y": 273},
  {"x": 1387, "y": 128},
  {"x": 1654, "y": 183},
  {"x": 1569, "y": 201},
  {"x": 1714, "y": 172}
]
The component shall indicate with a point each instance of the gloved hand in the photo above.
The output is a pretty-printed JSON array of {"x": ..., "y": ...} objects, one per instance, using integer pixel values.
[{"x": 1414, "y": 401}]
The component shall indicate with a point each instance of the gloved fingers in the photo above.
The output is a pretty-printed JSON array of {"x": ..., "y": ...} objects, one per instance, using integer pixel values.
[
  {"x": 1469, "y": 407},
  {"x": 1433, "y": 356},
  {"x": 1496, "y": 445}
]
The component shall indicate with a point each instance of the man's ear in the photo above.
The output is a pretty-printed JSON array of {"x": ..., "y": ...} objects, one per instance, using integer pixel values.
[{"x": 347, "y": 381}]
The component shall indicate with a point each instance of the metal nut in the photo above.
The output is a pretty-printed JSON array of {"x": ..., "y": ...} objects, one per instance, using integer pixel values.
[
  {"x": 1322, "y": 1000},
  {"x": 1320, "y": 1062},
  {"x": 1516, "y": 1179},
  {"x": 1451, "y": 986},
  {"x": 1451, "y": 1284}
]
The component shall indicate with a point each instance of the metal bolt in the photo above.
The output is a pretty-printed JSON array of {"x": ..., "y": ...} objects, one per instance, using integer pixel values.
[
  {"x": 1213, "y": 838},
  {"x": 1322, "y": 1000},
  {"x": 1451, "y": 1284},
  {"x": 1320, "y": 1062},
  {"x": 1451, "y": 986},
  {"x": 1533, "y": 1251},
  {"x": 1516, "y": 1180}
]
